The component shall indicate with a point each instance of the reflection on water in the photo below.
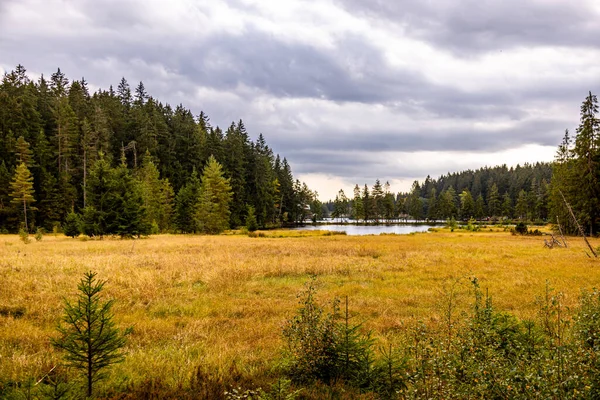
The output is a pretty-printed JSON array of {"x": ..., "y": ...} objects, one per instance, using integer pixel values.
[{"x": 368, "y": 229}]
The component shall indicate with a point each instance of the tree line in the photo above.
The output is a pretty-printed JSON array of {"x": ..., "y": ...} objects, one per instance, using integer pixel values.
[
  {"x": 520, "y": 192},
  {"x": 563, "y": 192},
  {"x": 120, "y": 161}
]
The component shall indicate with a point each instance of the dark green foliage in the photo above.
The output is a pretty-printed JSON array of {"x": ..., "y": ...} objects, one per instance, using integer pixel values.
[
  {"x": 126, "y": 213},
  {"x": 186, "y": 204},
  {"x": 448, "y": 196},
  {"x": 212, "y": 212},
  {"x": 88, "y": 335},
  {"x": 72, "y": 225},
  {"x": 576, "y": 171},
  {"x": 251, "y": 223},
  {"x": 61, "y": 131},
  {"x": 521, "y": 228},
  {"x": 329, "y": 348}
]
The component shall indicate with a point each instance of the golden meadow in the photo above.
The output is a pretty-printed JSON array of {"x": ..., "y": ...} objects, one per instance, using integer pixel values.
[{"x": 219, "y": 302}]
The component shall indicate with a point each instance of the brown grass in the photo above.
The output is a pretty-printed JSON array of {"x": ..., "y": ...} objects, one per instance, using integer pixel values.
[{"x": 218, "y": 301}]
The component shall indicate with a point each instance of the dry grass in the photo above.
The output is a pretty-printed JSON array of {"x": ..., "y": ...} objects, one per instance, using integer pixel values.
[{"x": 218, "y": 300}]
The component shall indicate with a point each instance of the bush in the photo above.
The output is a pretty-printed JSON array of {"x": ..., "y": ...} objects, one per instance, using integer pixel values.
[
  {"x": 39, "y": 234},
  {"x": 521, "y": 228},
  {"x": 452, "y": 224},
  {"x": 24, "y": 236},
  {"x": 326, "y": 347}
]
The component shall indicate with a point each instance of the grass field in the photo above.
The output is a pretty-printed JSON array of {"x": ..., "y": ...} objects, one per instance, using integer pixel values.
[{"x": 216, "y": 301}]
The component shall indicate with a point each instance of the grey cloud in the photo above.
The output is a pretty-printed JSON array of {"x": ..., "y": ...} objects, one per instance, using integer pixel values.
[
  {"x": 439, "y": 139},
  {"x": 474, "y": 26},
  {"x": 120, "y": 40}
]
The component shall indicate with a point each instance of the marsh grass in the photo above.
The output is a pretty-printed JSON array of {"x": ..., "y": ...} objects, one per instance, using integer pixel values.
[{"x": 207, "y": 311}]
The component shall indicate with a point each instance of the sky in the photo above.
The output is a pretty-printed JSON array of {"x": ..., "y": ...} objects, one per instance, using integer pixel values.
[{"x": 349, "y": 91}]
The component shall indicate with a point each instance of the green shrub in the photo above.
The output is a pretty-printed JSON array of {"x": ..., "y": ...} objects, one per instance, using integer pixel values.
[
  {"x": 24, "y": 236},
  {"x": 521, "y": 228},
  {"x": 452, "y": 224},
  {"x": 328, "y": 348}
]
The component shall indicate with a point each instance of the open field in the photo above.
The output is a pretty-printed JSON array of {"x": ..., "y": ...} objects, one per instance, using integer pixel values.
[{"x": 218, "y": 300}]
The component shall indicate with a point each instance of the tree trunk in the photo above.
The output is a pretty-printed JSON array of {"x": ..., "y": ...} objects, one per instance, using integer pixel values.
[
  {"x": 84, "y": 175},
  {"x": 25, "y": 212}
]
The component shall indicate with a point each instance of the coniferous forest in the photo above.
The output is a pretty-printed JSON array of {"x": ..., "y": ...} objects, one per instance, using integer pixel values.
[
  {"x": 119, "y": 161},
  {"x": 520, "y": 192}
]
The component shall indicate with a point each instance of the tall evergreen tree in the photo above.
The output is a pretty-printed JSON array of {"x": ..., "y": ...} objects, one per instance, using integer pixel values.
[
  {"x": 215, "y": 198},
  {"x": 493, "y": 201},
  {"x": 186, "y": 204},
  {"x": 22, "y": 190},
  {"x": 467, "y": 205}
]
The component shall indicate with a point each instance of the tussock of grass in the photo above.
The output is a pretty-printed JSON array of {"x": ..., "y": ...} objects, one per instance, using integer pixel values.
[{"x": 219, "y": 301}]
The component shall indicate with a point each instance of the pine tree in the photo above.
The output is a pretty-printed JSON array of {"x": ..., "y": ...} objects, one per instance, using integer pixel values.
[
  {"x": 493, "y": 201},
  {"x": 447, "y": 203},
  {"x": 357, "y": 205},
  {"x": 72, "y": 226},
  {"x": 415, "y": 205},
  {"x": 467, "y": 205},
  {"x": 126, "y": 213},
  {"x": 432, "y": 205},
  {"x": 156, "y": 194},
  {"x": 586, "y": 151},
  {"x": 22, "y": 189},
  {"x": 479, "y": 207},
  {"x": 24, "y": 153},
  {"x": 522, "y": 205},
  {"x": 377, "y": 198},
  {"x": 88, "y": 335},
  {"x": 507, "y": 208},
  {"x": 95, "y": 214},
  {"x": 186, "y": 204},
  {"x": 215, "y": 198},
  {"x": 367, "y": 204},
  {"x": 388, "y": 202}
]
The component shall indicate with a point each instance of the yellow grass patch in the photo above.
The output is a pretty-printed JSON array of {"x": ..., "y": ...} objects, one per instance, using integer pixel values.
[{"x": 213, "y": 300}]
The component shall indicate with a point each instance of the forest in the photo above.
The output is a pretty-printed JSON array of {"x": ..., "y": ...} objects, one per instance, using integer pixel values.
[
  {"x": 520, "y": 192},
  {"x": 122, "y": 162}
]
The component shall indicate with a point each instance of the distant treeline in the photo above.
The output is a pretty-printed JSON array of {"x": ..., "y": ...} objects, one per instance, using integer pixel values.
[
  {"x": 538, "y": 192},
  {"x": 519, "y": 192},
  {"x": 54, "y": 132}
]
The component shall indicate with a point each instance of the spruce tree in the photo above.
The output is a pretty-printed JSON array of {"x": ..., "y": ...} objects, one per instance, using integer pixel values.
[
  {"x": 493, "y": 201},
  {"x": 72, "y": 226},
  {"x": 522, "y": 205},
  {"x": 22, "y": 189},
  {"x": 186, "y": 204},
  {"x": 88, "y": 335},
  {"x": 358, "y": 211},
  {"x": 215, "y": 197},
  {"x": 432, "y": 206},
  {"x": 467, "y": 205},
  {"x": 479, "y": 207},
  {"x": 507, "y": 208}
]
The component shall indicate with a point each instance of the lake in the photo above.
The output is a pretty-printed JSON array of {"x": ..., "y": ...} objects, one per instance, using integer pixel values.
[{"x": 368, "y": 229}]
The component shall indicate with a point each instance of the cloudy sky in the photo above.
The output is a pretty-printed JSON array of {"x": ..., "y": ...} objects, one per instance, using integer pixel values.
[{"x": 348, "y": 90}]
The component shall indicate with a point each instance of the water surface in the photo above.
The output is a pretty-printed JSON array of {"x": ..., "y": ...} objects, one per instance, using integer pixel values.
[{"x": 367, "y": 229}]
